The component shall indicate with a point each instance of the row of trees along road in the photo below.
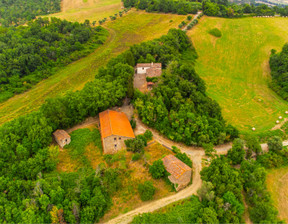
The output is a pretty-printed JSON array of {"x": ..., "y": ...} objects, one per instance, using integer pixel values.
[{"x": 219, "y": 8}]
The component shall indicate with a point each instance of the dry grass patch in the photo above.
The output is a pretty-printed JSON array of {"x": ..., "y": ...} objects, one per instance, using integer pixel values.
[
  {"x": 128, "y": 198},
  {"x": 94, "y": 10},
  {"x": 277, "y": 182}
]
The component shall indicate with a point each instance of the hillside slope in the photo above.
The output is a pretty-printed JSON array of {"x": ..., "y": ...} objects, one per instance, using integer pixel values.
[
  {"x": 130, "y": 29},
  {"x": 236, "y": 70}
]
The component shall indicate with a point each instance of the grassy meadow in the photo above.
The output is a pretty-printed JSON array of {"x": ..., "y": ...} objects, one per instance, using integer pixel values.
[
  {"x": 235, "y": 68},
  {"x": 277, "y": 181},
  {"x": 133, "y": 28},
  {"x": 94, "y": 10}
]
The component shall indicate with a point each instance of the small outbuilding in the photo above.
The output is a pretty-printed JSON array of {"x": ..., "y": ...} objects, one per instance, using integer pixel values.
[
  {"x": 180, "y": 173},
  {"x": 115, "y": 128},
  {"x": 62, "y": 137}
]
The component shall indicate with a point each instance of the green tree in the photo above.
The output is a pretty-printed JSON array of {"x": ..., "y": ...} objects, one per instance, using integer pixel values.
[
  {"x": 237, "y": 153},
  {"x": 275, "y": 144},
  {"x": 157, "y": 169},
  {"x": 253, "y": 144},
  {"x": 146, "y": 190}
]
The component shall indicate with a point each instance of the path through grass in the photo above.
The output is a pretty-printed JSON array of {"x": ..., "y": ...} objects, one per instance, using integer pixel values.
[
  {"x": 236, "y": 70},
  {"x": 133, "y": 28}
]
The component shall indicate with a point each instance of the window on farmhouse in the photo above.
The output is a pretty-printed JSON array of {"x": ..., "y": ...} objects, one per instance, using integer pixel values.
[
  {"x": 115, "y": 139},
  {"x": 119, "y": 138}
]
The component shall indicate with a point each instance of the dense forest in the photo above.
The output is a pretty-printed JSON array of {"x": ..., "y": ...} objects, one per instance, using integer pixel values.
[
  {"x": 219, "y": 8},
  {"x": 279, "y": 71},
  {"x": 32, "y": 191},
  {"x": 167, "y": 6},
  {"x": 31, "y": 53},
  {"x": 220, "y": 198},
  {"x": 17, "y": 12}
]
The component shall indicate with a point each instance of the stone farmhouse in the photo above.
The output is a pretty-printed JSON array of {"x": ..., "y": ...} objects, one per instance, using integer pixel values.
[
  {"x": 62, "y": 138},
  {"x": 115, "y": 128},
  {"x": 180, "y": 172},
  {"x": 150, "y": 69}
]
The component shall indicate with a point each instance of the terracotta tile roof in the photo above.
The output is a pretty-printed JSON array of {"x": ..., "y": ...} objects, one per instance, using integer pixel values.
[
  {"x": 175, "y": 166},
  {"x": 61, "y": 134},
  {"x": 150, "y": 65},
  {"x": 153, "y": 72},
  {"x": 150, "y": 83},
  {"x": 115, "y": 123}
]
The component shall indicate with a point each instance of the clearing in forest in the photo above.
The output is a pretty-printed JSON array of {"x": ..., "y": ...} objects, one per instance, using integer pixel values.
[
  {"x": 133, "y": 28},
  {"x": 93, "y": 10},
  {"x": 236, "y": 70},
  {"x": 85, "y": 150},
  {"x": 277, "y": 181}
]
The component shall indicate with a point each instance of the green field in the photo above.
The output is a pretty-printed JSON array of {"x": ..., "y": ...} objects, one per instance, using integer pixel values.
[
  {"x": 236, "y": 70},
  {"x": 277, "y": 180},
  {"x": 133, "y": 28}
]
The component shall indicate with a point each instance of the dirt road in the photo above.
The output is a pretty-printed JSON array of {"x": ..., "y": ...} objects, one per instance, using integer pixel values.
[{"x": 196, "y": 154}]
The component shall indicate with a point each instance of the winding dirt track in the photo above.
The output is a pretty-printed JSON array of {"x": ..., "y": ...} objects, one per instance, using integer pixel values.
[{"x": 196, "y": 154}]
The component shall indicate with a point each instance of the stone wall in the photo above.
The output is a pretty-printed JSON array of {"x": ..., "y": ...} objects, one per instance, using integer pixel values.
[
  {"x": 113, "y": 144},
  {"x": 182, "y": 181}
]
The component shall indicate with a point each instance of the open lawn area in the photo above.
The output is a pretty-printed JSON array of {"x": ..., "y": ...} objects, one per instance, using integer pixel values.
[
  {"x": 236, "y": 70},
  {"x": 277, "y": 182},
  {"x": 93, "y": 10},
  {"x": 85, "y": 150},
  {"x": 133, "y": 28}
]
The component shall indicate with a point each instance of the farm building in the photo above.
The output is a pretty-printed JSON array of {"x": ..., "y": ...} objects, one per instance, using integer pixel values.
[
  {"x": 180, "y": 172},
  {"x": 115, "y": 128},
  {"x": 62, "y": 137},
  {"x": 150, "y": 69}
]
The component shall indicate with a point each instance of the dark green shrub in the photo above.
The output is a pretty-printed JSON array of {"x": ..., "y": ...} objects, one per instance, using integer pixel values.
[
  {"x": 275, "y": 144},
  {"x": 148, "y": 135},
  {"x": 133, "y": 123},
  {"x": 215, "y": 32},
  {"x": 157, "y": 170},
  {"x": 146, "y": 190},
  {"x": 135, "y": 145},
  {"x": 136, "y": 156}
]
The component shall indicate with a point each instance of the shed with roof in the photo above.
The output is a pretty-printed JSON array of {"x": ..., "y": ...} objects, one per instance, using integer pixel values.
[
  {"x": 115, "y": 128},
  {"x": 180, "y": 173},
  {"x": 62, "y": 137}
]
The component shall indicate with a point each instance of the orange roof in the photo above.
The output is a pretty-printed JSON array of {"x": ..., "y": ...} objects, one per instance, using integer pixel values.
[
  {"x": 115, "y": 123},
  {"x": 175, "y": 166}
]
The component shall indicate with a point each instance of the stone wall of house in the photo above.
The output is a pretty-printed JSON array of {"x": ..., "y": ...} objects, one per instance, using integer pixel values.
[
  {"x": 63, "y": 142},
  {"x": 113, "y": 144},
  {"x": 182, "y": 181},
  {"x": 142, "y": 70}
]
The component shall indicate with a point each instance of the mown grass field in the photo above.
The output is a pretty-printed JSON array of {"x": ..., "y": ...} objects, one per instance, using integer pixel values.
[
  {"x": 94, "y": 10},
  {"x": 277, "y": 182},
  {"x": 236, "y": 70},
  {"x": 132, "y": 28}
]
